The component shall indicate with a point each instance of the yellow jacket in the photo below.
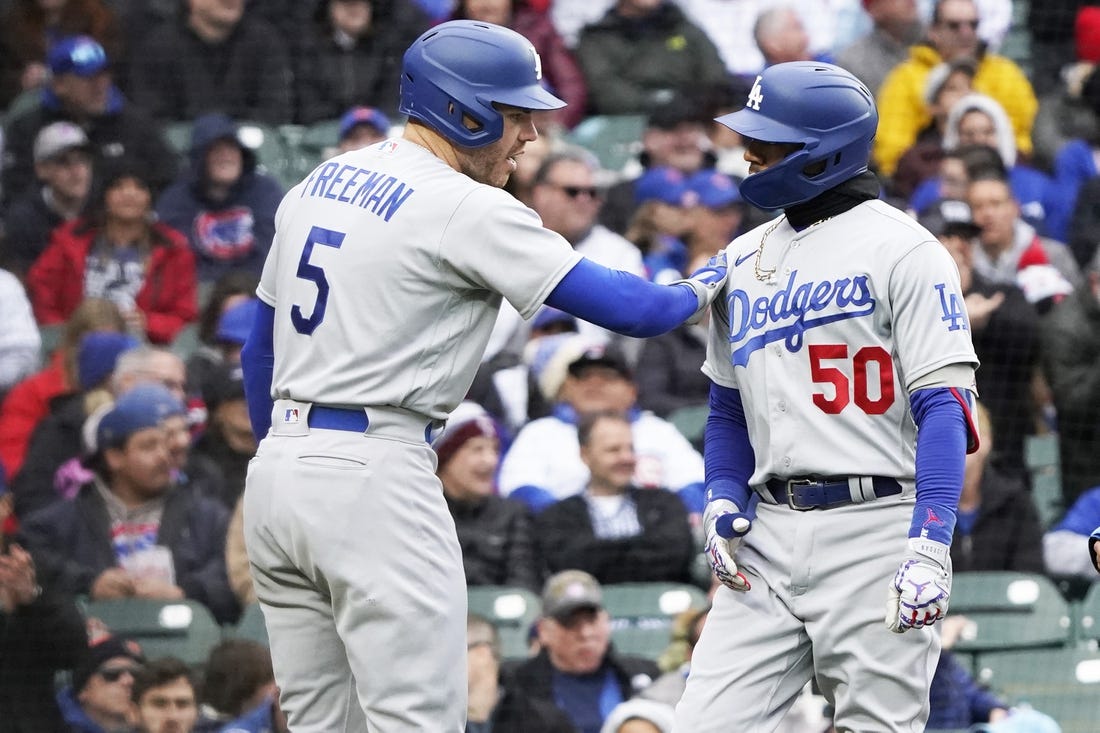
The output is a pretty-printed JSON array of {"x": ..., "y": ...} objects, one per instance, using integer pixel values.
[{"x": 903, "y": 113}]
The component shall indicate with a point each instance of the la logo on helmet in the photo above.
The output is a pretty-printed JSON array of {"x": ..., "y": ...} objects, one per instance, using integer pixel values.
[
  {"x": 538, "y": 63},
  {"x": 756, "y": 96}
]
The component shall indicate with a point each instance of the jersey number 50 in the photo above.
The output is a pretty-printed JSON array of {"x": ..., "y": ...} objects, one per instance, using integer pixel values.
[
  {"x": 316, "y": 275},
  {"x": 856, "y": 389}
]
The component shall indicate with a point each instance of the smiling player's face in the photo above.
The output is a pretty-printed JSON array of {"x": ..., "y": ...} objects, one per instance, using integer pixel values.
[{"x": 494, "y": 163}]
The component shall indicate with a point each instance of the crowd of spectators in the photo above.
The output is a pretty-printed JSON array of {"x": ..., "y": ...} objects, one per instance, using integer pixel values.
[{"x": 137, "y": 206}]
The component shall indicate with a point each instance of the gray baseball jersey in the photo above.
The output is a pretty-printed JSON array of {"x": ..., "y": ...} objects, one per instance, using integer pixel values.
[
  {"x": 830, "y": 345},
  {"x": 825, "y": 332},
  {"x": 386, "y": 275}
]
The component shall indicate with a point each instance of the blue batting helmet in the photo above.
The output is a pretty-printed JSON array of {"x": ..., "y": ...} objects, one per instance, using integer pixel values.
[
  {"x": 821, "y": 107},
  {"x": 453, "y": 73}
]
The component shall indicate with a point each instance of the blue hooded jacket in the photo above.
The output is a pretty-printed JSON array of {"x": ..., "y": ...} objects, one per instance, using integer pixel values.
[
  {"x": 73, "y": 714},
  {"x": 232, "y": 234}
]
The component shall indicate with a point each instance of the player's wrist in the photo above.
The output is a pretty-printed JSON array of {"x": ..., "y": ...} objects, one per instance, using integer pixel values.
[
  {"x": 934, "y": 522},
  {"x": 724, "y": 489}
]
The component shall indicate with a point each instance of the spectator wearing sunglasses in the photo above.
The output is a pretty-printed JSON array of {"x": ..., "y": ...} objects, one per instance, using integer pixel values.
[
  {"x": 566, "y": 195},
  {"x": 98, "y": 700},
  {"x": 952, "y": 35}
]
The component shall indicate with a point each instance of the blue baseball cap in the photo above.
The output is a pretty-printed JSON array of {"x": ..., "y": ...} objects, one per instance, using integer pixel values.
[
  {"x": 663, "y": 184},
  {"x": 714, "y": 190},
  {"x": 547, "y": 316},
  {"x": 363, "y": 116},
  {"x": 142, "y": 407},
  {"x": 236, "y": 323},
  {"x": 80, "y": 55},
  {"x": 97, "y": 355}
]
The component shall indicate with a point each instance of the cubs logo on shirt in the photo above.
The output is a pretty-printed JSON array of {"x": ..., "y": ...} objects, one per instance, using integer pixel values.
[{"x": 226, "y": 234}]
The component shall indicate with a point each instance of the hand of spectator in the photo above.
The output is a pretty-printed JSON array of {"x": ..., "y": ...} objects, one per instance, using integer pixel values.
[
  {"x": 17, "y": 580},
  {"x": 980, "y": 308},
  {"x": 34, "y": 75},
  {"x": 159, "y": 590},
  {"x": 112, "y": 583}
]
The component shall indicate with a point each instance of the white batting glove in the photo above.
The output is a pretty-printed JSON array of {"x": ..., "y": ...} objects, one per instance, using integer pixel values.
[
  {"x": 725, "y": 525},
  {"x": 921, "y": 588},
  {"x": 707, "y": 282}
]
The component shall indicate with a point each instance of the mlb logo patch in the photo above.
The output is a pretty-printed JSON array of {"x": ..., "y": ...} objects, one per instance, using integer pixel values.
[
  {"x": 388, "y": 147},
  {"x": 290, "y": 415}
]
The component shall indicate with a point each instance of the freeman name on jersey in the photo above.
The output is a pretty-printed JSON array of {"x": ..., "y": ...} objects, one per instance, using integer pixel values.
[
  {"x": 379, "y": 193},
  {"x": 791, "y": 301}
]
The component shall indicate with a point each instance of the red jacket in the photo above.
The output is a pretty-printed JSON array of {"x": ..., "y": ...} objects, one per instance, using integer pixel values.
[
  {"x": 24, "y": 407},
  {"x": 168, "y": 298}
]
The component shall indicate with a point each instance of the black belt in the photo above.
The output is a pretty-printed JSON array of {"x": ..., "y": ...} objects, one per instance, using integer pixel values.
[
  {"x": 824, "y": 493},
  {"x": 338, "y": 418}
]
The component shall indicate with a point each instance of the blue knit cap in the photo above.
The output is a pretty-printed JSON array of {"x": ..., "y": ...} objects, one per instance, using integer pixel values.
[
  {"x": 142, "y": 407},
  {"x": 97, "y": 355}
]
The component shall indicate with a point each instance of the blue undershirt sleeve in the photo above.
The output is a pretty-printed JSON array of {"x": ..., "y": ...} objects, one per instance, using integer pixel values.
[
  {"x": 727, "y": 452},
  {"x": 943, "y": 434},
  {"x": 622, "y": 302},
  {"x": 257, "y": 366}
]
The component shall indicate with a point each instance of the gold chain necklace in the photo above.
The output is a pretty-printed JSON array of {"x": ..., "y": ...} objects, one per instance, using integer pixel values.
[
  {"x": 769, "y": 275},
  {"x": 765, "y": 275}
]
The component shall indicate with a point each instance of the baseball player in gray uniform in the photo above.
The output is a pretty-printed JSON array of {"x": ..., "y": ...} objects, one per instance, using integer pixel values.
[
  {"x": 843, "y": 374},
  {"x": 387, "y": 270}
]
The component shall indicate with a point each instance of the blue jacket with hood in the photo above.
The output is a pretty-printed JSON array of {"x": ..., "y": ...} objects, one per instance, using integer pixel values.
[{"x": 231, "y": 234}]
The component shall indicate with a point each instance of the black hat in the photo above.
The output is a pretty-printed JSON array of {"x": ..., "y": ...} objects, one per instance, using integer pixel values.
[
  {"x": 601, "y": 355},
  {"x": 224, "y": 385},
  {"x": 99, "y": 653},
  {"x": 949, "y": 217},
  {"x": 679, "y": 110}
]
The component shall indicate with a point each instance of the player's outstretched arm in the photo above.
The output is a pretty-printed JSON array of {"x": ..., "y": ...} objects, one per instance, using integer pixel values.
[
  {"x": 258, "y": 365},
  {"x": 627, "y": 304},
  {"x": 921, "y": 588}
]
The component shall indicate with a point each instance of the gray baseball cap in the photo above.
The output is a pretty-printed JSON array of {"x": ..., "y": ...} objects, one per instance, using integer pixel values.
[
  {"x": 569, "y": 591},
  {"x": 58, "y": 138}
]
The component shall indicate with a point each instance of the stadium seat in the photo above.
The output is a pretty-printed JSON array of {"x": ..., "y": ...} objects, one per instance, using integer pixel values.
[
  {"x": 186, "y": 341},
  {"x": 1087, "y": 627},
  {"x": 51, "y": 337},
  {"x": 271, "y": 151},
  {"x": 251, "y": 626},
  {"x": 691, "y": 421},
  {"x": 1043, "y": 463},
  {"x": 1009, "y": 611},
  {"x": 614, "y": 139},
  {"x": 642, "y": 614},
  {"x": 24, "y": 102},
  {"x": 316, "y": 143},
  {"x": 1063, "y": 683},
  {"x": 512, "y": 611},
  {"x": 1017, "y": 42},
  {"x": 183, "y": 629}
]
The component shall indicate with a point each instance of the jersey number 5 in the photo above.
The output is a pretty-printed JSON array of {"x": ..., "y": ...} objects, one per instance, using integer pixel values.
[
  {"x": 316, "y": 275},
  {"x": 847, "y": 390}
]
